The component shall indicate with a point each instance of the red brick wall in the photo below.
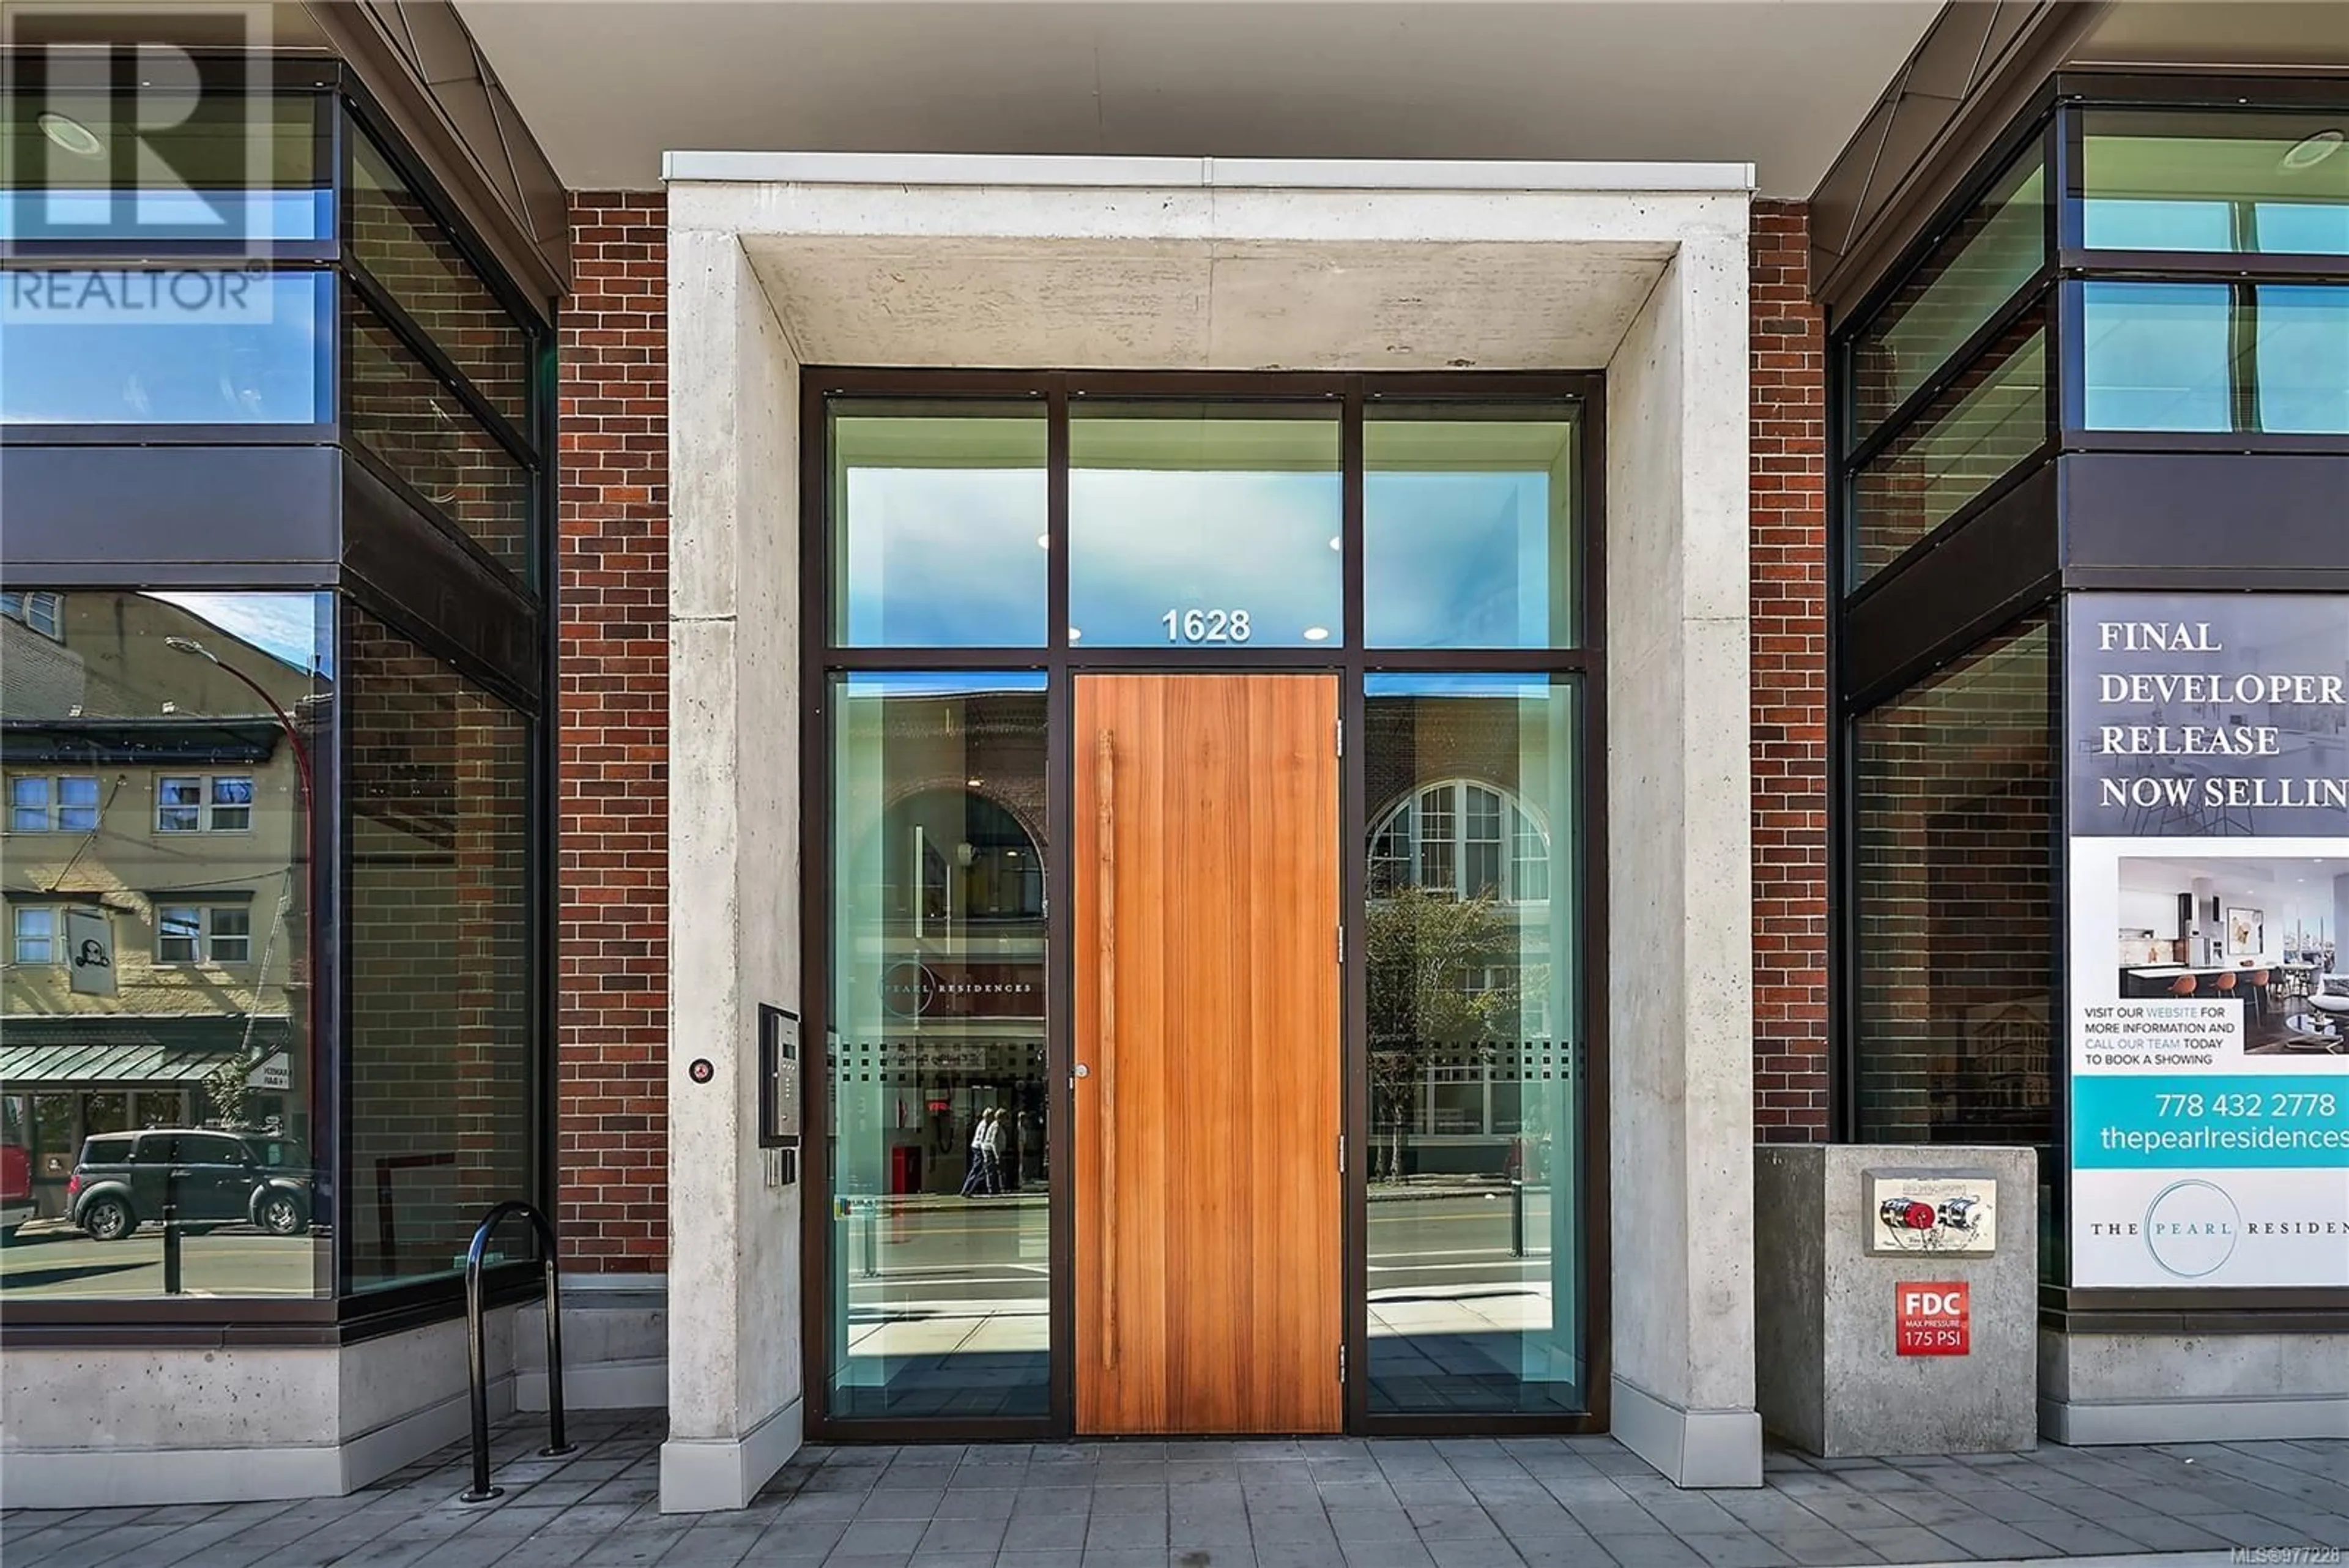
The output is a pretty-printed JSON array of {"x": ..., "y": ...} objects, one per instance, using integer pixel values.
[
  {"x": 613, "y": 1019},
  {"x": 1789, "y": 650}
]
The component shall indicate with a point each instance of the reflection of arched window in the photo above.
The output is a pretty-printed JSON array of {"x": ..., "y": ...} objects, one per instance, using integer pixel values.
[
  {"x": 1461, "y": 839},
  {"x": 953, "y": 853}
]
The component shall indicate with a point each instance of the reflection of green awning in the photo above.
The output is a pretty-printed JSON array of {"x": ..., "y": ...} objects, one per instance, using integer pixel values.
[{"x": 97, "y": 1051}]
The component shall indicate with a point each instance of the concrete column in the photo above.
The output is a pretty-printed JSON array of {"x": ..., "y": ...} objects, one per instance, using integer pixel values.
[
  {"x": 1679, "y": 982},
  {"x": 734, "y": 1392}
]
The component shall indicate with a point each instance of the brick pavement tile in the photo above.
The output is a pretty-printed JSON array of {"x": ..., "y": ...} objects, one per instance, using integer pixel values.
[
  {"x": 1221, "y": 1527},
  {"x": 1295, "y": 1554},
  {"x": 1851, "y": 1512},
  {"x": 1930, "y": 1509},
  {"x": 1473, "y": 1554},
  {"x": 2320, "y": 1529},
  {"x": 811, "y": 1506},
  {"x": 711, "y": 1546},
  {"x": 1194, "y": 1469},
  {"x": 2078, "y": 1537},
  {"x": 996, "y": 1503},
  {"x": 1403, "y": 1553},
  {"x": 910, "y": 1502},
  {"x": 1044, "y": 1533},
  {"x": 1983, "y": 1537},
  {"x": 1616, "y": 1519},
  {"x": 1451, "y": 1522},
  {"x": 1290, "y": 1527},
  {"x": 1233, "y": 1556},
  {"x": 954, "y": 1560},
  {"x": 1816, "y": 1548},
  {"x": 1415, "y": 1491},
  {"x": 808, "y": 1541},
  {"x": 1909, "y": 1543},
  {"x": 962, "y": 1535},
  {"x": 1370, "y": 1524},
  {"x": 1687, "y": 1514},
  {"x": 1074, "y": 1501},
  {"x": 1649, "y": 1550},
  {"x": 1736, "y": 1549},
  {"x": 1041, "y": 1560},
  {"x": 1764, "y": 1508},
  {"x": 1060, "y": 1472},
  {"x": 2163, "y": 1533},
  {"x": 880, "y": 1536},
  {"x": 1125, "y": 1557},
  {"x": 1124, "y": 1531}
]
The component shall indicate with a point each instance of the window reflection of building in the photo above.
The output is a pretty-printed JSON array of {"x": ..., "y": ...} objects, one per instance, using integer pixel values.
[{"x": 156, "y": 852}]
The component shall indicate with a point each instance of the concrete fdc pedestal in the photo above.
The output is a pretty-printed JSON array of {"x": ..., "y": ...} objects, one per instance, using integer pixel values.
[{"x": 1829, "y": 1377}]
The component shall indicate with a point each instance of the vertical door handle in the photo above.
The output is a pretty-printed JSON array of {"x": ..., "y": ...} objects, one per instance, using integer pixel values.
[{"x": 1105, "y": 1051}]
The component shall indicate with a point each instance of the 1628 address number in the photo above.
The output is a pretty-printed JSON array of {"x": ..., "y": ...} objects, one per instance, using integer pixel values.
[{"x": 1205, "y": 625}]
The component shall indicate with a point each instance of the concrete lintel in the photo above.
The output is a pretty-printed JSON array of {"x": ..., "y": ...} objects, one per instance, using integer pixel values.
[
  {"x": 1688, "y": 1448},
  {"x": 711, "y": 1475},
  {"x": 1206, "y": 173}
]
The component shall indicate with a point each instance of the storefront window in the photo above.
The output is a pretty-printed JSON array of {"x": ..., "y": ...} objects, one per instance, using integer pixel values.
[
  {"x": 940, "y": 1251},
  {"x": 1992, "y": 418},
  {"x": 173, "y": 346},
  {"x": 1204, "y": 525},
  {"x": 199, "y": 165},
  {"x": 1997, "y": 248},
  {"x": 395, "y": 237},
  {"x": 160, "y": 987},
  {"x": 1956, "y": 794},
  {"x": 938, "y": 525},
  {"x": 2270, "y": 358},
  {"x": 1476, "y": 1170},
  {"x": 438, "y": 951},
  {"x": 408, "y": 417},
  {"x": 2214, "y": 181},
  {"x": 1468, "y": 525}
]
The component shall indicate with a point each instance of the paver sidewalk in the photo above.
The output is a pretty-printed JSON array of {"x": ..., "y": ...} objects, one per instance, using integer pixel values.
[{"x": 1324, "y": 1503}]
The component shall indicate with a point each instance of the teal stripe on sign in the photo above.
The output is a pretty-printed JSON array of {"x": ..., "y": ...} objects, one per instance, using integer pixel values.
[{"x": 2122, "y": 1122}]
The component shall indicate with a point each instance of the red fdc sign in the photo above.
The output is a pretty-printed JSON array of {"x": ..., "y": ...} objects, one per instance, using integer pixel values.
[{"x": 1932, "y": 1319}]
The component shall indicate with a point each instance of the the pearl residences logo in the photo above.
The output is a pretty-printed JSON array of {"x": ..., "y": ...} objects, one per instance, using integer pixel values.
[{"x": 2191, "y": 1227}]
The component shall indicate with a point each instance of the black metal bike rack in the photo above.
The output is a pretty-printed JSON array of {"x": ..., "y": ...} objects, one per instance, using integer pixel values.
[{"x": 478, "y": 1355}]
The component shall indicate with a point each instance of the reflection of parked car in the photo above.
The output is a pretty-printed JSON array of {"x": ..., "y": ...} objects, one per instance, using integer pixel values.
[
  {"x": 15, "y": 1177},
  {"x": 125, "y": 1180}
]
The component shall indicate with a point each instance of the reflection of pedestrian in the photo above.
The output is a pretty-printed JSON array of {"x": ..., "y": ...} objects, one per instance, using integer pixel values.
[
  {"x": 975, "y": 1178},
  {"x": 1023, "y": 1149},
  {"x": 999, "y": 1140}
]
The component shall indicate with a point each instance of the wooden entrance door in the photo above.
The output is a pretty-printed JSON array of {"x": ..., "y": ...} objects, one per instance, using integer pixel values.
[{"x": 1208, "y": 1204}]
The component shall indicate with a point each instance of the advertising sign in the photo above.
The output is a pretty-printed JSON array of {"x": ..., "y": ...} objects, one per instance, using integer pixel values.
[
  {"x": 90, "y": 953},
  {"x": 2208, "y": 866},
  {"x": 1932, "y": 1318}
]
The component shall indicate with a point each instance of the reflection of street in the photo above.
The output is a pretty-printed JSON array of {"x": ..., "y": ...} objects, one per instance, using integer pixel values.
[
  {"x": 928, "y": 1276},
  {"x": 49, "y": 1259}
]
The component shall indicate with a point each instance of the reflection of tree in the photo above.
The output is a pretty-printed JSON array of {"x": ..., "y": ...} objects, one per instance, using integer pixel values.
[{"x": 1443, "y": 974}]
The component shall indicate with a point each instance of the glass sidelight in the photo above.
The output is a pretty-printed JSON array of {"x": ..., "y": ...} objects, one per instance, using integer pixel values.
[
  {"x": 941, "y": 1255},
  {"x": 1476, "y": 1051}
]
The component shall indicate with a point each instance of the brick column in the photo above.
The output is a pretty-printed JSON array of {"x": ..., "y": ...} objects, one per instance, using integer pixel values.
[
  {"x": 1789, "y": 589},
  {"x": 612, "y": 1017}
]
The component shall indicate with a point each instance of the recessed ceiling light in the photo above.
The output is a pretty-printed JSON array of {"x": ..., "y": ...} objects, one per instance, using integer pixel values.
[
  {"x": 1316, "y": 634},
  {"x": 974, "y": 783},
  {"x": 1043, "y": 541},
  {"x": 70, "y": 135},
  {"x": 1337, "y": 543},
  {"x": 1074, "y": 634},
  {"x": 2311, "y": 149}
]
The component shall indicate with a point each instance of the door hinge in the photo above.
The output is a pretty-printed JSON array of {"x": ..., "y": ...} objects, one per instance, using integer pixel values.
[
  {"x": 1342, "y": 1154},
  {"x": 1341, "y": 941},
  {"x": 1342, "y": 737},
  {"x": 1341, "y": 1363}
]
